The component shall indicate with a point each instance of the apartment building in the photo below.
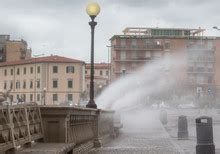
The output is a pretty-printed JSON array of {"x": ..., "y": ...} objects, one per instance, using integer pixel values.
[
  {"x": 201, "y": 55},
  {"x": 45, "y": 80},
  {"x": 13, "y": 50},
  {"x": 101, "y": 76}
]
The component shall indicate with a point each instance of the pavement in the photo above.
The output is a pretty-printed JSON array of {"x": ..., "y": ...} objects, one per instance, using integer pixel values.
[
  {"x": 189, "y": 145},
  {"x": 142, "y": 134}
]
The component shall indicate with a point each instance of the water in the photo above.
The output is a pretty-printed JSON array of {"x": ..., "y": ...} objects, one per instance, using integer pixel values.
[{"x": 135, "y": 89}]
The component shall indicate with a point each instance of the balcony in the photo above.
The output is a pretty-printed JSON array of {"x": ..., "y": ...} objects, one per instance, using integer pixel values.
[
  {"x": 196, "y": 71},
  {"x": 136, "y": 59},
  {"x": 203, "y": 59},
  {"x": 146, "y": 47},
  {"x": 193, "y": 47}
]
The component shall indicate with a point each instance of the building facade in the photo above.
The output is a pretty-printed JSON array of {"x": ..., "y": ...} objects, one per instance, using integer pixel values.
[
  {"x": 101, "y": 76},
  {"x": 201, "y": 55},
  {"x": 13, "y": 50},
  {"x": 45, "y": 80}
]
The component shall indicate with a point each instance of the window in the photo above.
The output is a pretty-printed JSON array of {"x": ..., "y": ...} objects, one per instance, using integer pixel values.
[
  {"x": 18, "y": 71},
  {"x": 70, "y": 69},
  {"x": 55, "y": 69},
  {"x": 100, "y": 72},
  {"x": 55, "y": 97},
  {"x": 5, "y": 85},
  {"x": 70, "y": 83},
  {"x": 55, "y": 83},
  {"x": 210, "y": 67},
  {"x": 147, "y": 54},
  {"x": 5, "y": 72},
  {"x": 133, "y": 42},
  {"x": 106, "y": 72},
  {"x": 133, "y": 55},
  {"x": 38, "y": 69},
  {"x": 199, "y": 79},
  {"x": 12, "y": 72},
  {"x": 70, "y": 97},
  {"x": 25, "y": 70},
  {"x": 123, "y": 67},
  {"x": 24, "y": 85},
  {"x": 31, "y": 97},
  {"x": 86, "y": 72},
  {"x": 17, "y": 84},
  {"x": 38, "y": 83},
  {"x": 31, "y": 70},
  {"x": 31, "y": 84},
  {"x": 11, "y": 85},
  {"x": 123, "y": 43},
  {"x": 38, "y": 97},
  {"x": 24, "y": 97},
  {"x": 123, "y": 55},
  {"x": 200, "y": 69},
  {"x": 190, "y": 69},
  {"x": 12, "y": 98},
  {"x": 167, "y": 45},
  {"x": 210, "y": 79}
]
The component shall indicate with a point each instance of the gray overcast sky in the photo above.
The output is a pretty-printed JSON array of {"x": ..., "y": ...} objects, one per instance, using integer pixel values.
[{"x": 61, "y": 26}]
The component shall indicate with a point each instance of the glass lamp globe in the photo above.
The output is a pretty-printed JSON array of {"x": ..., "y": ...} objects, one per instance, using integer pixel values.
[{"x": 93, "y": 9}]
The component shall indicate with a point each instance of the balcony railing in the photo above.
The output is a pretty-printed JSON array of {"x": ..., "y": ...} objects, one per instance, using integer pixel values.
[
  {"x": 200, "y": 47},
  {"x": 146, "y": 47},
  {"x": 140, "y": 59},
  {"x": 195, "y": 71},
  {"x": 204, "y": 59}
]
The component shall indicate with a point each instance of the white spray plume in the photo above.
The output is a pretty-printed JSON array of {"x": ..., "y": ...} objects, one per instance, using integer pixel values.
[{"x": 133, "y": 89}]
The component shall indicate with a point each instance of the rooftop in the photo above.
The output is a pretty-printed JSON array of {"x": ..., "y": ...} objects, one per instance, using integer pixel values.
[
  {"x": 99, "y": 66},
  {"x": 47, "y": 59},
  {"x": 168, "y": 31}
]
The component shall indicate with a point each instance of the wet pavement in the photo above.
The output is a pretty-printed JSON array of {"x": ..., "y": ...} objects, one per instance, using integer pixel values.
[
  {"x": 142, "y": 133},
  {"x": 189, "y": 145}
]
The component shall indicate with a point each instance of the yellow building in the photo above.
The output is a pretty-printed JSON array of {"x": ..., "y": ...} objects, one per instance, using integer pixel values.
[
  {"x": 101, "y": 76},
  {"x": 49, "y": 80}
]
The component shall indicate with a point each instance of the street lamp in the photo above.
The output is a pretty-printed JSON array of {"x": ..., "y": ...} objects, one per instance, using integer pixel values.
[
  {"x": 35, "y": 74},
  {"x": 44, "y": 94},
  {"x": 92, "y": 10}
]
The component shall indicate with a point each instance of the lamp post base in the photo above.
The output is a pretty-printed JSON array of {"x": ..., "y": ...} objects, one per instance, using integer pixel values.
[{"x": 91, "y": 104}]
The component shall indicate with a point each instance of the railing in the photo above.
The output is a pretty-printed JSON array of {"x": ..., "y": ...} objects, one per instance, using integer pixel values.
[
  {"x": 86, "y": 128},
  {"x": 134, "y": 59},
  {"x": 83, "y": 128},
  {"x": 19, "y": 126},
  {"x": 106, "y": 125},
  {"x": 145, "y": 47},
  {"x": 200, "y": 47}
]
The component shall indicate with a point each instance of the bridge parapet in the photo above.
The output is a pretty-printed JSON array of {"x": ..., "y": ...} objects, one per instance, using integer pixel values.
[
  {"x": 80, "y": 128},
  {"x": 86, "y": 128}
]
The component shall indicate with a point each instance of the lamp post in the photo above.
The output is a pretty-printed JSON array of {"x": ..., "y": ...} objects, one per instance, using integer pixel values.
[
  {"x": 35, "y": 75},
  {"x": 92, "y": 10},
  {"x": 44, "y": 94}
]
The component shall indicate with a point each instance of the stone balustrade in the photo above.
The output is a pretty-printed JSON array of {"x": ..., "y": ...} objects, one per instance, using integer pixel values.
[{"x": 82, "y": 128}]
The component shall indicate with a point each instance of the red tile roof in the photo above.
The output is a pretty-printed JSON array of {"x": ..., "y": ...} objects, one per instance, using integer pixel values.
[
  {"x": 48, "y": 59},
  {"x": 99, "y": 66}
]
